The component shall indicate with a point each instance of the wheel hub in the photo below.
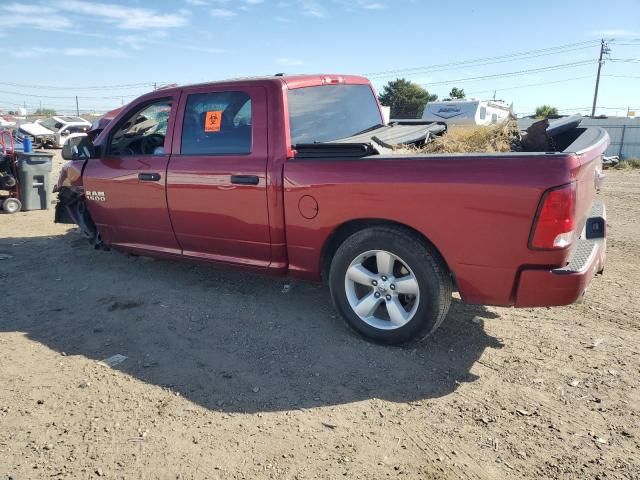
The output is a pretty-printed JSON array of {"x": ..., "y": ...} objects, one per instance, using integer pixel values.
[
  {"x": 384, "y": 286},
  {"x": 382, "y": 289}
]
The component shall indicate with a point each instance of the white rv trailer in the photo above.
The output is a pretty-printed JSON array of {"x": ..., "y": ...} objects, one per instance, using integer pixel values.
[{"x": 468, "y": 111}]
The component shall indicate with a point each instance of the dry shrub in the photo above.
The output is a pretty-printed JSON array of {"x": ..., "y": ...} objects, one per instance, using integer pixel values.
[
  {"x": 628, "y": 163},
  {"x": 474, "y": 139}
]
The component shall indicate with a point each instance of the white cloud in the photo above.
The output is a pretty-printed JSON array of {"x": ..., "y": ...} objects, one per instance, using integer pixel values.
[
  {"x": 31, "y": 52},
  {"x": 312, "y": 9},
  {"x": 372, "y": 6},
  {"x": 197, "y": 3},
  {"x": 290, "y": 62},
  {"x": 222, "y": 12},
  {"x": 20, "y": 15},
  {"x": 282, "y": 19},
  {"x": 197, "y": 48},
  {"x": 123, "y": 16},
  {"x": 93, "y": 52}
]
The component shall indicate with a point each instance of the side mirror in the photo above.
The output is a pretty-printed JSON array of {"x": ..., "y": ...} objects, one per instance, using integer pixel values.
[{"x": 79, "y": 148}]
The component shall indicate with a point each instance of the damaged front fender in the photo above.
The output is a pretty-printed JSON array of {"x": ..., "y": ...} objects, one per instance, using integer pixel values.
[{"x": 72, "y": 208}]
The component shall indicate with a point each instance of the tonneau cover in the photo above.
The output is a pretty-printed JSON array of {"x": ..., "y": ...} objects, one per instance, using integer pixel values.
[{"x": 397, "y": 134}]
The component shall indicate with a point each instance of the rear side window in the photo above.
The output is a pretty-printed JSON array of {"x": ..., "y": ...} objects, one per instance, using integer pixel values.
[{"x": 217, "y": 123}]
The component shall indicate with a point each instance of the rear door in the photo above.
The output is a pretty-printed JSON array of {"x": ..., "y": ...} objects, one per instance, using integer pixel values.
[
  {"x": 216, "y": 179},
  {"x": 125, "y": 189}
]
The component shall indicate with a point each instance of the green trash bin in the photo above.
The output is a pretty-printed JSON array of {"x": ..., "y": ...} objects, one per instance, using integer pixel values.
[{"x": 34, "y": 171}]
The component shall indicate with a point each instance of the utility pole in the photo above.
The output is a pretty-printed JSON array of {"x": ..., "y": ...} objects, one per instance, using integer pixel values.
[
  {"x": 77, "y": 107},
  {"x": 604, "y": 49},
  {"x": 155, "y": 86}
]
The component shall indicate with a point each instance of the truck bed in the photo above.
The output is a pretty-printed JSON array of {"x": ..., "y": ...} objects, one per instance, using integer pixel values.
[{"x": 476, "y": 209}]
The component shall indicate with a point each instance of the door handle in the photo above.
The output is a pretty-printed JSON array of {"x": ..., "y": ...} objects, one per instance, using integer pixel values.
[
  {"x": 148, "y": 177},
  {"x": 245, "y": 179}
]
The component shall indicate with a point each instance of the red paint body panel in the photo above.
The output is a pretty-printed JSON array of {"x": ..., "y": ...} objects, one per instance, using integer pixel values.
[
  {"x": 213, "y": 218},
  {"x": 477, "y": 210},
  {"x": 134, "y": 214}
]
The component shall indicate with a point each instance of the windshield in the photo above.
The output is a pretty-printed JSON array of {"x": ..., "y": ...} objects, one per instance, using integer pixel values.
[
  {"x": 331, "y": 112},
  {"x": 52, "y": 124}
]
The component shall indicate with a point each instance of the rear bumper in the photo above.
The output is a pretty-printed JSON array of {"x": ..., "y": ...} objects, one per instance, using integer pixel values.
[{"x": 562, "y": 286}]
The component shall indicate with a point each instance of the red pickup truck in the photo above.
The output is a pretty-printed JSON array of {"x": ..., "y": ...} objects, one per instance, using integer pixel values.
[{"x": 278, "y": 175}]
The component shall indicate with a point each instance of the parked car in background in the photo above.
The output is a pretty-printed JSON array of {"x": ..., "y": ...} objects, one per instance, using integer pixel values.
[
  {"x": 41, "y": 135},
  {"x": 289, "y": 175},
  {"x": 64, "y": 128},
  {"x": 6, "y": 122}
]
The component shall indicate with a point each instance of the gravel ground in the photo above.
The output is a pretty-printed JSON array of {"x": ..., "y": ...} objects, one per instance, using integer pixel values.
[{"x": 232, "y": 375}]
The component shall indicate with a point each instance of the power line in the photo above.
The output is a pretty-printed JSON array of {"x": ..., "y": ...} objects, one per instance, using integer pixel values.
[
  {"x": 622, "y": 76},
  {"x": 24, "y": 94},
  {"x": 94, "y": 87},
  {"x": 577, "y": 109},
  {"x": 490, "y": 60},
  {"x": 532, "y": 85},
  {"x": 548, "y": 68}
]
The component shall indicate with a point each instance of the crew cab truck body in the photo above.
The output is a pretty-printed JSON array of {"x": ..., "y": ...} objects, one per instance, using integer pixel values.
[{"x": 248, "y": 173}]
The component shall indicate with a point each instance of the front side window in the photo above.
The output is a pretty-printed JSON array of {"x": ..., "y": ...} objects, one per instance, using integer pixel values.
[
  {"x": 143, "y": 132},
  {"x": 331, "y": 112},
  {"x": 483, "y": 113},
  {"x": 217, "y": 123}
]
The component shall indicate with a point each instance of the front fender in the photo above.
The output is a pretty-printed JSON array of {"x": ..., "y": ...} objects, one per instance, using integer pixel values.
[{"x": 71, "y": 176}]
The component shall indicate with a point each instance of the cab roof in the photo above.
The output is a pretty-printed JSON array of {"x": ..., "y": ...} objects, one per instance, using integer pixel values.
[{"x": 290, "y": 81}]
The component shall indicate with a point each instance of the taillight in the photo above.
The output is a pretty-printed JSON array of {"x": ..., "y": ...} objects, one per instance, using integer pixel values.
[
  {"x": 332, "y": 80},
  {"x": 555, "y": 222}
]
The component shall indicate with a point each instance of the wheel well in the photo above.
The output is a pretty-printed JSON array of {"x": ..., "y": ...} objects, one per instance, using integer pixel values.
[{"x": 347, "y": 229}]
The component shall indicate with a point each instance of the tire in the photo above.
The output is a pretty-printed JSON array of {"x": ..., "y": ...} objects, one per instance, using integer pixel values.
[
  {"x": 412, "y": 299},
  {"x": 7, "y": 182},
  {"x": 11, "y": 205}
]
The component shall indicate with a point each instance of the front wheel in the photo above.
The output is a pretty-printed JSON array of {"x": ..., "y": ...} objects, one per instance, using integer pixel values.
[{"x": 389, "y": 285}]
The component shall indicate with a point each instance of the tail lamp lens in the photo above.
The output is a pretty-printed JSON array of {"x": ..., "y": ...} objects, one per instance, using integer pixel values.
[{"x": 555, "y": 223}]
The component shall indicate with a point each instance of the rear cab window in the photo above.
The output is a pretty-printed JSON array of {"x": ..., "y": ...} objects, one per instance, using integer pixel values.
[{"x": 326, "y": 113}]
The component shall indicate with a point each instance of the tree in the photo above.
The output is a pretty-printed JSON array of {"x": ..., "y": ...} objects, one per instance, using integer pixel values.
[
  {"x": 457, "y": 93},
  {"x": 406, "y": 99},
  {"x": 546, "y": 111},
  {"x": 46, "y": 112}
]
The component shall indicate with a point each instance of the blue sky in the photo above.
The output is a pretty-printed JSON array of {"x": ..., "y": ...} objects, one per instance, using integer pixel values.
[{"x": 54, "y": 50}]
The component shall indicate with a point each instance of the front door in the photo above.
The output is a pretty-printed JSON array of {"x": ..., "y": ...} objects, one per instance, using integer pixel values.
[
  {"x": 125, "y": 189},
  {"x": 216, "y": 178}
]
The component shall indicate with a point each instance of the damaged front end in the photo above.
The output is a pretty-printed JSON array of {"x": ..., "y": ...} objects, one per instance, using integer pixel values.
[{"x": 71, "y": 207}]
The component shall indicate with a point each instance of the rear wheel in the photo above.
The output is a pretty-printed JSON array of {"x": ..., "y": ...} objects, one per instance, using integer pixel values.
[
  {"x": 389, "y": 285},
  {"x": 11, "y": 205}
]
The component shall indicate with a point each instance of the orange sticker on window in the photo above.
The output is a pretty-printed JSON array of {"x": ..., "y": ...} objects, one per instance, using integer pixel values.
[{"x": 212, "y": 121}]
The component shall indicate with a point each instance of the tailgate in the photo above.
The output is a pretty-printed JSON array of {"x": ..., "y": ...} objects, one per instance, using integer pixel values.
[{"x": 589, "y": 149}]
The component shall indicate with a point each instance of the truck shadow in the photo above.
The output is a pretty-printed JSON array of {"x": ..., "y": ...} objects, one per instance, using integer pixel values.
[{"x": 227, "y": 340}]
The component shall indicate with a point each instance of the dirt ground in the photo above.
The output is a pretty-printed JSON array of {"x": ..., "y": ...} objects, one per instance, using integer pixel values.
[{"x": 231, "y": 375}]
